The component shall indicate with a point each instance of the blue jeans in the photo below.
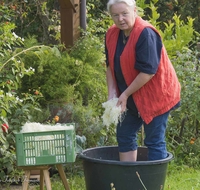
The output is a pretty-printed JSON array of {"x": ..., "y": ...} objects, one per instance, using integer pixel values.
[{"x": 154, "y": 135}]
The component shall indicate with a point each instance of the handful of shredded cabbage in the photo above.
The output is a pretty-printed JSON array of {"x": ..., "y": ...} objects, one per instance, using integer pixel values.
[{"x": 112, "y": 113}]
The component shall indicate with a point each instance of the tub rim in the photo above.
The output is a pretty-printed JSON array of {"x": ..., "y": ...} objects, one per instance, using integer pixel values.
[{"x": 123, "y": 163}]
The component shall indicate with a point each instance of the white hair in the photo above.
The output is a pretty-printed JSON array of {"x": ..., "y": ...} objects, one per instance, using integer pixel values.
[{"x": 130, "y": 3}]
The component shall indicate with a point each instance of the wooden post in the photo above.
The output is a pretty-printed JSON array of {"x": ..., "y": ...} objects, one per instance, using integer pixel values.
[{"x": 69, "y": 24}]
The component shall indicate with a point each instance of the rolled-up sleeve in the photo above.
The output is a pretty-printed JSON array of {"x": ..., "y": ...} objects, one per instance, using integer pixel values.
[{"x": 148, "y": 51}]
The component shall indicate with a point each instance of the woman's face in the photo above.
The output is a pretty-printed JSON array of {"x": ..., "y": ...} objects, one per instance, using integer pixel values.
[{"x": 123, "y": 16}]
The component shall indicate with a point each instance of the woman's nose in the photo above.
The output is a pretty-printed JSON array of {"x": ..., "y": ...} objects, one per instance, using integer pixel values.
[{"x": 121, "y": 17}]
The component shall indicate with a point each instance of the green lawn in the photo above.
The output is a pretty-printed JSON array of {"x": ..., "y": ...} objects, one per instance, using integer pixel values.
[{"x": 182, "y": 178}]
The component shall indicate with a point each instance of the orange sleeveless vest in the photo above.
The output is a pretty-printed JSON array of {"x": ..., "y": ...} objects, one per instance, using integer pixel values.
[{"x": 158, "y": 95}]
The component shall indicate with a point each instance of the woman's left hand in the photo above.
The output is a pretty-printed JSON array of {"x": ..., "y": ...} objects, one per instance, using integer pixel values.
[{"x": 122, "y": 101}]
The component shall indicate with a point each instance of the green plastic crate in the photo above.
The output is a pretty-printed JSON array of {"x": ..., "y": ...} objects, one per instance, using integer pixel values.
[{"x": 43, "y": 148}]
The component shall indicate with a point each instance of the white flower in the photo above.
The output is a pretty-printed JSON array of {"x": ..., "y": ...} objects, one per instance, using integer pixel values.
[
  {"x": 9, "y": 94},
  {"x": 15, "y": 35},
  {"x": 30, "y": 69}
]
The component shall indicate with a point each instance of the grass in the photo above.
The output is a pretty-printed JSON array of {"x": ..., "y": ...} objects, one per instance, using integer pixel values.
[
  {"x": 76, "y": 182},
  {"x": 182, "y": 178}
]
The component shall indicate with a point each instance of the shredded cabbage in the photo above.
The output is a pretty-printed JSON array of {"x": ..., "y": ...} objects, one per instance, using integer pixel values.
[
  {"x": 112, "y": 113},
  {"x": 37, "y": 127}
]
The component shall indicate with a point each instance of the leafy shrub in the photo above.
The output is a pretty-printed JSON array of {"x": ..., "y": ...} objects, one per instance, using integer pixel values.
[
  {"x": 35, "y": 18},
  {"x": 183, "y": 8},
  {"x": 176, "y": 34},
  {"x": 63, "y": 77},
  {"x": 184, "y": 124},
  {"x": 15, "y": 107}
]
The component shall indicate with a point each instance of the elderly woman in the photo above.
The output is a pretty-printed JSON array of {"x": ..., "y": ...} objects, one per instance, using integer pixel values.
[{"x": 141, "y": 75}]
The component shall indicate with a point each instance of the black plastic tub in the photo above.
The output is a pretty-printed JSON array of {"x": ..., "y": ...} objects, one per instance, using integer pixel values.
[{"x": 102, "y": 168}]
